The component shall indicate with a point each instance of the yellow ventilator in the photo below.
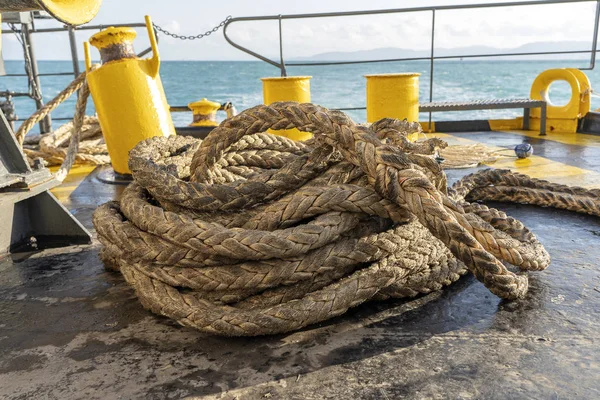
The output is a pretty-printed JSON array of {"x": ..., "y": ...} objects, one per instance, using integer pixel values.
[
  {"x": 288, "y": 88},
  {"x": 127, "y": 92},
  {"x": 72, "y": 12},
  {"x": 393, "y": 96},
  {"x": 205, "y": 112}
]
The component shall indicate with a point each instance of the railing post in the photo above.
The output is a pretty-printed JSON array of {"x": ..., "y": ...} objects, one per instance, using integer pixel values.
[
  {"x": 595, "y": 37},
  {"x": 46, "y": 123},
  {"x": 283, "y": 71},
  {"x": 74, "y": 55},
  {"x": 431, "y": 61}
]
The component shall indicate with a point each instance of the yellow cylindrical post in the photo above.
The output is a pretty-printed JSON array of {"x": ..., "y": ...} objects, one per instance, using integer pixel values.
[
  {"x": 288, "y": 88},
  {"x": 205, "y": 112},
  {"x": 128, "y": 93},
  {"x": 393, "y": 96}
]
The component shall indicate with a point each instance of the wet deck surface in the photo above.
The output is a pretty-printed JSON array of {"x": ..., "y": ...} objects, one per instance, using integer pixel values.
[{"x": 70, "y": 329}]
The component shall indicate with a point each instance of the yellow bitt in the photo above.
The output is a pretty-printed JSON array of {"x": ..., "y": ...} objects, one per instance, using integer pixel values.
[
  {"x": 288, "y": 88},
  {"x": 127, "y": 92},
  {"x": 393, "y": 96},
  {"x": 561, "y": 118},
  {"x": 205, "y": 112}
]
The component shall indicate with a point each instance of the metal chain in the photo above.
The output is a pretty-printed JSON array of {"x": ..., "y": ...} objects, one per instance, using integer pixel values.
[{"x": 191, "y": 37}]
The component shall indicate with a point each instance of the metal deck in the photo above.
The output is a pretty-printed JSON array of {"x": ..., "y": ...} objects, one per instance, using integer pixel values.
[{"x": 69, "y": 329}]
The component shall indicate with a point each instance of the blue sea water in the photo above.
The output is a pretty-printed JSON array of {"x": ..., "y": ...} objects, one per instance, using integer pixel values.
[{"x": 331, "y": 86}]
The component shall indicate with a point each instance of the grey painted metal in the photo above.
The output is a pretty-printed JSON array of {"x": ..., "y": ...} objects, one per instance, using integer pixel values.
[
  {"x": 36, "y": 213},
  {"x": 41, "y": 74},
  {"x": 17, "y": 17},
  {"x": 406, "y": 10},
  {"x": 281, "y": 62},
  {"x": 432, "y": 56},
  {"x": 5, "y": 93},
  {"x": 492, "y": 104},
  {"x": 179, "y": 109},
  {"x": 543, "y": 119},
  {"x": 14, "y": 169},
  {"x": 89, "y": 27},
  {"x": 107, "y": 174},
  {"x": 431, "y": 61},
  {"x": 12, "y": 160},
  {"x": 457, "y": 57},
  {"x": 349, "y": 108},
  {"x": 526, "y": 119},
  {"x": 489, "y": 55},
  {"x": 489, "y": 104},
  {"x": 594, "y": 38},
  {"x": 74, "y": 55},
  {"x": 46, "y": 123},
  {"x": 26, "y": 207}
]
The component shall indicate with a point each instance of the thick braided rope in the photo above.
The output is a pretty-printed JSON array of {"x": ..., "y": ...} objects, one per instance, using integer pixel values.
[
  {"x": 51, "y": 147},
  {"x": 247, "y": 233},
  {"x": 71, "y": 155},
  {"x": 49, "y": 107},
  {"x": 500, "y": 185},
  {"x": 73, "y": 149},
  {"x": 394, "y": 174}
]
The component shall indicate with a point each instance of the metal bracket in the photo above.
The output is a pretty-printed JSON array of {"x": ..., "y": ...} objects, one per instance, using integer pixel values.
[{"x": 27, "y": 208}]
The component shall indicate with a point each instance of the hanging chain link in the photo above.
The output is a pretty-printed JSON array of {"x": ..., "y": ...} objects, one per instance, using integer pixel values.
[{"x": 191, "y": 37}]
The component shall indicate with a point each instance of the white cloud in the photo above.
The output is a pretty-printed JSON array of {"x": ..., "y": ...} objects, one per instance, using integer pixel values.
[
  {"x": 172, "y": 26},
  {"x": 498, "y": 27}
]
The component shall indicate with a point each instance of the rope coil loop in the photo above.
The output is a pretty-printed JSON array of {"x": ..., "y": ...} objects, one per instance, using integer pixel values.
[
  {"x": 247, "y": 233},
  {"x": 69, "y": 156}
]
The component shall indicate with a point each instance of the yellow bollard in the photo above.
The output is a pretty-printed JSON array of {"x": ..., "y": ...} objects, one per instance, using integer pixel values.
[
  {"x": 393, "y": 96},
  {"x": 288, "y": 88},
  {"x": 127, "y": 92},
  {"x": 205, "y": 112}
]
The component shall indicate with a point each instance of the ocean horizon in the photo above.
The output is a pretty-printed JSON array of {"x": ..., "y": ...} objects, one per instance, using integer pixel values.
[{"x": 338, "y": 86}]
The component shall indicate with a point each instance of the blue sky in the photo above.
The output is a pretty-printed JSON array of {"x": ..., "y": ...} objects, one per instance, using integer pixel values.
[{"x": 503, "y": 27}]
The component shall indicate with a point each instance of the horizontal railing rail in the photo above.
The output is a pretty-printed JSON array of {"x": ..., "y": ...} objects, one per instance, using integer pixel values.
[
  {"x": 432, "y": 57},
  {"x": 28, "y": 30}
]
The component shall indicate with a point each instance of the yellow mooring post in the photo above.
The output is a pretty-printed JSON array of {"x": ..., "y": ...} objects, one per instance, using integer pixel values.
[
  {"x": 127, "y": 92},
  {"x": 288, "y": 88},
  {"x": 393, "y": 96},
  {"x": 205, "y": 112}
]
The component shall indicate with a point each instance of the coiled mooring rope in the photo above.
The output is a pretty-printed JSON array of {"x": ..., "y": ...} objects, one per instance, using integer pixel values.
[
  {"x": 52, "y": 147},
  {"x": 246, "y": 233},
  {"x": 48, "y": 144}
]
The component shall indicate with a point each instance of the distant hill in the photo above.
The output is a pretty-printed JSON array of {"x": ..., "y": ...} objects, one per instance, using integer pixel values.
[{"x": 394, "y": 52}]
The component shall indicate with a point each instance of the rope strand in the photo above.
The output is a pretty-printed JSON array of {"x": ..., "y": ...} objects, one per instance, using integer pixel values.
[
  {"x": 246, "y": 233},
  {"x": 71, "y": 154}
]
